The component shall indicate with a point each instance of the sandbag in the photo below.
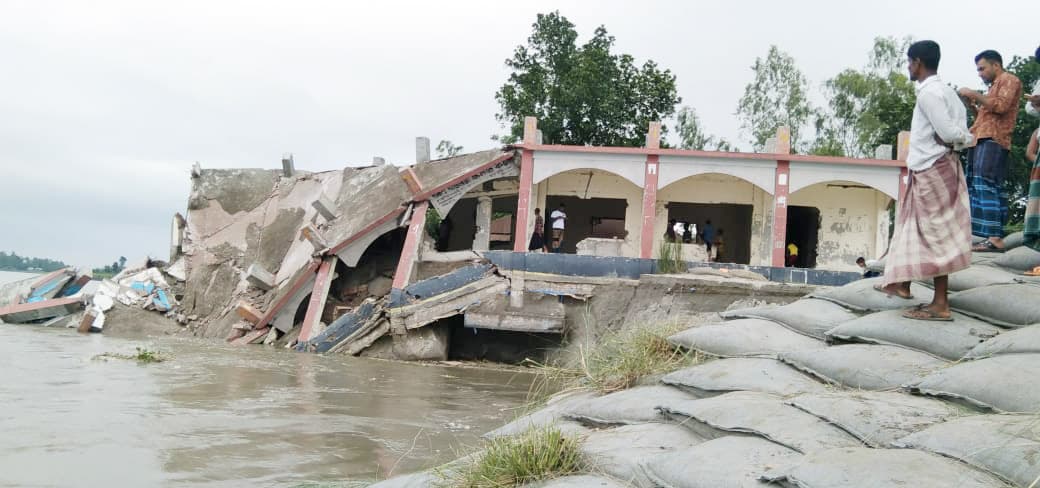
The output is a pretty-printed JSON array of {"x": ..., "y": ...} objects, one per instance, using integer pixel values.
[
  {"x": 760, "y": 414},
  {"x": 550, "y": 414},
  {"x": 744, "y": 338},
  {"x": 1006, "y": 305},
  {"x": 1024, "y": 340},
  {"x": 620, "y": 452},
  {"x": 983, "y": 257},
  {"x": 878, "y": 418},
  {"x": 632, "y": 406},
  {"x": 864, "y": 467},
  {"x": 977, "y": 277},
  {"x": 1006, "y": 445},
  {"x": 731, "y": 462},
  {"x": 1005, "y": 383},
  {"x": 947, "y": 340},
  {"x": 1014, "y": 240},
  {"x": 865, "y": 367},
  {"x": 1019, "y": 259},
  {"x": 809, "y": 316},
  {"x": 579, "y": 481},
  {"x": 861, "y": 296},
  {"x": 742, "y": 374}
]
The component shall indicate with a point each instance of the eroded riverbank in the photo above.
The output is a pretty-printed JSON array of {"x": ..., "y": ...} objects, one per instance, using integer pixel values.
[{"x": 219, "y": 415}]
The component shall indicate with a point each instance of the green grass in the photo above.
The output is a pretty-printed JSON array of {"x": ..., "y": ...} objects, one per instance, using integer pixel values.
[
  {"x": 620, "y": 359},
  {"x": 537, "y": 454},
  {"x": 142, "y": 356},
  {"x": 670, "y": 258}
]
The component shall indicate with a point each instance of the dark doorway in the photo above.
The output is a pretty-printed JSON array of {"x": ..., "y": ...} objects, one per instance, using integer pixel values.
[
  {"x": 500, "y": 346},
  {"x": 587, "y": 217},
  {"x": 463, "y": 218},
  {"x": 803, "y": 229},
  {"x": 733, "y": 219}
]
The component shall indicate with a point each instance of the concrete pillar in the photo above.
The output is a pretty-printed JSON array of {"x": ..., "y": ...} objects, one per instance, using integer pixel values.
[
  {"x": 410, "y": 251},
  {"x": 650, "y": 177},
  {"x": 287, "y": 165},
  {"x": 523, "y": 200},
  {"x": 538, "y": 138},
  {"x": 259, "y": 277},
  {"x": 177, "y": 236},
  {"x": 903, "y": 144},
  {"x": 196, "y": 170},
  {"x": 482, "y": 239},
  {"x": 319, "y": 294},
  {"x": 770, "y": 146},
  {"x": 516, "y": 289},
  {"x": 780, "y": 193},
  {"x": 422, "y": 149}
]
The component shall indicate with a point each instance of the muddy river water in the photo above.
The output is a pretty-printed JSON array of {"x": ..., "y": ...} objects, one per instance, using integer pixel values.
[{"x": 219, "y": 415}]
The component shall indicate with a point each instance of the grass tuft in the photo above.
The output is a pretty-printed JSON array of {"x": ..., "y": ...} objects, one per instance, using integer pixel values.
[
  {"x": 670, "y": 258},
  {"x": 143, "y": 356},
  {"x": 620, "y": 359},
  {"x": 537, "y": 454}
]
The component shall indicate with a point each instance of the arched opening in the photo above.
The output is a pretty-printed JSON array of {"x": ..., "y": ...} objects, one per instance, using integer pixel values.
[
  {"x": 835, "y": 222},
  {"x": 372, "y": 277},
  {"x": 731, "y": 209},
  {"x": 603, "y": 211}
]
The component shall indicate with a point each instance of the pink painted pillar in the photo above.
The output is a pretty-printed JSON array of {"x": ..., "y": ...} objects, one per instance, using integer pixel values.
[
  {"x": 650, "y": 177},
  {"x": 780, "y": 193},
  {"x": 410, "y": 251},
  {"x": 319, "y": 294},
  {"x": 524, "y": 194}
]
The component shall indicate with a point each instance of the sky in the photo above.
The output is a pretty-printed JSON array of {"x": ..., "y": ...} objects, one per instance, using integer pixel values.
[{"x": 105, "y": 105}]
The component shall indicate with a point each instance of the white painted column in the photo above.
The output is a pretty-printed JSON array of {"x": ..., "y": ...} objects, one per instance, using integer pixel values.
[{"x": 482, "y": 239}]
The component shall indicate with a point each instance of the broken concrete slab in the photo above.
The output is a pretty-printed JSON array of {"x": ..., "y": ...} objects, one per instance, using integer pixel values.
[
  {"x": 325, "y": 207},
  {"x": 252, "y": 337},
  {"x": 49, "y": 285},
  {"x": 39, "y": 310},
  {"x": 341, "y": 329},
  {"x": 454, "y": 302},
  {"x": 259, "y": 277},
  {"x": 247, "y": 312},
  {"x": 441, "y": 284},
  {"x": 542, "y": 314}
]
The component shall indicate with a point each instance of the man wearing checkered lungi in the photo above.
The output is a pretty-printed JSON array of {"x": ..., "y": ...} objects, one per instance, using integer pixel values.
[
  {"x": 996, "y": 112},
  {"x": 932, "y": 236}
]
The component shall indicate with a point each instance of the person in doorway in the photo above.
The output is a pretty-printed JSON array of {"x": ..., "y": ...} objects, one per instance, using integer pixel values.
[
  {"x": 932, "y": 237},
  {"x": 538, "y": 236},
  {"x": 708, "y": 236},
  {"x": 862, "y": 263},
  {"x": 559, "y": 223},
  {"x": 669, "y": 233},
  {"x": 792, "y": 255},
  {"x": 719, "y": 247},
  {"x": 687, "y": 235},
  {"x": 996, "y": 112}
]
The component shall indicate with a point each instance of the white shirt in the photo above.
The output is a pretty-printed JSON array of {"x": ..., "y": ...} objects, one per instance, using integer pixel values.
[
  {"x": 1029, "y": 106},
  {"x": 558, "y": 219},
  {"x": 938, "y": 111}
]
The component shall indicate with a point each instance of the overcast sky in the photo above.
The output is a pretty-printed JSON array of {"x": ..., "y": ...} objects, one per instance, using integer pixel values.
[{"x": 105, "y": 105}]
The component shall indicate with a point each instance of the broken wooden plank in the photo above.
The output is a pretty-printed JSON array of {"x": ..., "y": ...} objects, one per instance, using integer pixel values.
[{"x": 247, "y": 312}]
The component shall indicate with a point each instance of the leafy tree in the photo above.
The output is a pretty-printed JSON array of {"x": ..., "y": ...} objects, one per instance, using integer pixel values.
[
  {"x": 693, "y": 136},
  {"x": 778, "y": 95},
  {"x": 447, "y": 149},
  {"x": 581, "y": 94},
  {"x": 122, "y": 262},
  {"x": 19, "y": 263},
  {"x": 869, "y": 106},
  {"x": 1028, "y": 71}
]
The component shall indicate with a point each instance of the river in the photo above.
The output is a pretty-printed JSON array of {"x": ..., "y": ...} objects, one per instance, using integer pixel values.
[{"x": 215, "y": 415}]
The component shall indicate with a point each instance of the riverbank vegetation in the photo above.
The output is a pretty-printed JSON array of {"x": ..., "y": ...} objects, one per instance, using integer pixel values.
[
  {"x": 14, "y": 262},
  {"x": 142, "y": 356},
  {"x": 540, "y": 453}
]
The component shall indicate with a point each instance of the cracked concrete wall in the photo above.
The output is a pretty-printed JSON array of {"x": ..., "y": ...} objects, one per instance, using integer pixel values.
[{"x": 849, "y": 222}]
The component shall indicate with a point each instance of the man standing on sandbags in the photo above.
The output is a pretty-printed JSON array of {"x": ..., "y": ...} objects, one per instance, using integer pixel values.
[
  {"x": 996, "y": 112},
  {"x": 932, "y": 235}
]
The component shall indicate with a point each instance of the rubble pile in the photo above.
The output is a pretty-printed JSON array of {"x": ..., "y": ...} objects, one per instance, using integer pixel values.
[{"x": 835, "y": 389}]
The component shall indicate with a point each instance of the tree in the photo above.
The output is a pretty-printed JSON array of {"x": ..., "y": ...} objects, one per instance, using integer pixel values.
[
  {"x": 869, "y": 106},
  {"x": 586, "y": 94},
  {"x": 778, "y": 95},
  {"x": 122, "y": 262},
  {"x": 693, "y": 136},
  {"x": 446, "y": 149}
]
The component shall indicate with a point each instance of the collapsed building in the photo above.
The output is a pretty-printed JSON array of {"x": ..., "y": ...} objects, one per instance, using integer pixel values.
[{"x": 346, "y": 261}]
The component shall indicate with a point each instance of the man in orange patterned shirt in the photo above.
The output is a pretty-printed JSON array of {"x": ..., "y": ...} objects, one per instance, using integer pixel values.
[{"x": 996, "y": 112}]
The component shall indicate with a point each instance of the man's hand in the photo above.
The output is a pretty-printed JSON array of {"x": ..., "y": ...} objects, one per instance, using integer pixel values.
[{"x": 1033, "y": 100}]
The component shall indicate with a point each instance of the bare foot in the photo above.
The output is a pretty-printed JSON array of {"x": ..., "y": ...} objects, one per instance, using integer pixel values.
[{"x": 898, "y": 290}]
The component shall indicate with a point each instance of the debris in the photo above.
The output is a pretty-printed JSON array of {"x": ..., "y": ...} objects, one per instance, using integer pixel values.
[{"x": 260, "y": 277}]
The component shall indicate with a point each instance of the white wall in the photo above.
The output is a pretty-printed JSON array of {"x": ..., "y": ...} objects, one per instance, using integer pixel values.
[{"x": 849, "y": 220}]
